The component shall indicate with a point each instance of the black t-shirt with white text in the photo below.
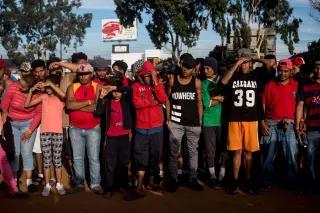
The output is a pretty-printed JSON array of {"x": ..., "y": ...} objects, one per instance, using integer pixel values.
[{"x": 243, "y": 101}]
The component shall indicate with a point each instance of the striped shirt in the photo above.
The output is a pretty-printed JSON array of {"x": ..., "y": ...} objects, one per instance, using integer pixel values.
[
  {"x": 309, "y": 93},
  {"x": 13, "y": 102}
]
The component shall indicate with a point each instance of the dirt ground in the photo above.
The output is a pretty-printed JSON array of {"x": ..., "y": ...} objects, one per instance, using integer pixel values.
[{"x": 184, "y": 200}]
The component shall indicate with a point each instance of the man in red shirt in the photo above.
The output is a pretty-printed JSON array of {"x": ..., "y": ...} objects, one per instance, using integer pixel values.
[
  {"x": 279, "y": 100},
  {"x": 85, "y": 130},
  {"x": 148, "y": 96}
]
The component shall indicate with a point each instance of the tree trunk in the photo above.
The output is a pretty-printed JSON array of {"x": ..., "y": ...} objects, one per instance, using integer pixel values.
[
  {"x": 260, "y": 39},
  {"x": 60, "y": 50}
]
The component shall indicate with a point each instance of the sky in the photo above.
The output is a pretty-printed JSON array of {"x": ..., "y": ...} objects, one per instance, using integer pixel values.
[{"x": 103, "y": 9}]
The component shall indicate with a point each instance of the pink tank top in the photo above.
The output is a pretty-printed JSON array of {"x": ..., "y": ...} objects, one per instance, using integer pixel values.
[{"x": 52, "y": 108}]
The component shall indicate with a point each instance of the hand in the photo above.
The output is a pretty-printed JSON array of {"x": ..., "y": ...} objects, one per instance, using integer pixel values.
[
  {"x": 168, "y": 122},
  {"x": 91, "y": 102},
  {"x": 103, "y": 92},
  {"x": 302, "y": 126},
  {"x": 26, "y": 135},
  {"x": 241, "y": 61},
  {"x": 47, "y": 84},
  {"x": 55, "y": 65},
  {"x": 36, "y": 87},
  {"x": 39, "y": 85},
  {"x": 265, "y": 128},
  {"x": 218, "y": 98}
]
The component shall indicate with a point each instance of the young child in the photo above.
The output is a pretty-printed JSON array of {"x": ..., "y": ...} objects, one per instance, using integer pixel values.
[
  {"x": 51, "y": 134},
  {"x": 6, "y": 171},
  {"x": 115, "y": 103}
]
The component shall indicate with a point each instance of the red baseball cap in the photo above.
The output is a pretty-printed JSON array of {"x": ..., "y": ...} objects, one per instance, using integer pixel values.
[
  {"x": 297, "y": 61},
  {"x": 147, "y": 68},
  {"x": 285, "y": 64}
]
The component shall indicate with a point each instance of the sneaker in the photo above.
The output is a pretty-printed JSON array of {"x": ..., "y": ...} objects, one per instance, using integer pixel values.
[
  {"x": 46, "y": 191},
  {"x": 171, "y": 186},
  {"x": 233, "y": 187},
  {"x": 38, "y": 181},
  {"x": 60, "y": 189},
  {"x": 97, "y": 190},
  {"x": 213, "y": 183},
  {"x": 195, "y": 185},
  {"x": 33, "y": 188}
]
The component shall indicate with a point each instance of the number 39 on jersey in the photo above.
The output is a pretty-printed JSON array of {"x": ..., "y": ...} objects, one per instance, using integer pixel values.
[{"x": 244, "y": 98}]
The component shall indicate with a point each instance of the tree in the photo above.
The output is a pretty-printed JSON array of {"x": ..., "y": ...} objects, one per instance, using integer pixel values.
[
  {"x": 315, "y": 4},
  {"x": 37, "y": 26},
  {"x": 217, "y": 10},
  {"x": 175, "y": 22},
  {"x": 262, "y": 14}
]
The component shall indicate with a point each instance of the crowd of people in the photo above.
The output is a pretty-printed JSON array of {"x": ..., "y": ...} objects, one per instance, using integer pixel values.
[{"x": 158, "y": 132}]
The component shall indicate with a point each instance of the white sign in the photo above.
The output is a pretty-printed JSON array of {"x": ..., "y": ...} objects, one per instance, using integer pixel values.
[{"x": 112, "y": 30}]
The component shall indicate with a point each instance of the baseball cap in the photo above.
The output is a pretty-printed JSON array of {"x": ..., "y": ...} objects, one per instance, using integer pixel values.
[
  {"x": 297, "y": 61},
  {"x": 84, "y": 69},
  {"x": 244, "y": 53},
  {"x": 285, "y": 64},
  {"x": 100, "y": 65},
  {"x": 25, "y": 67}
]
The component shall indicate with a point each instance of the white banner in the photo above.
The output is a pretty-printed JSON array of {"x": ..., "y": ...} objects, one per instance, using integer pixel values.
[{"x": 112, "y": 30}]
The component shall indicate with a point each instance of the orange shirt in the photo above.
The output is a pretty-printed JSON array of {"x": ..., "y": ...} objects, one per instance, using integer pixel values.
[{"x": 52, "y": 108}]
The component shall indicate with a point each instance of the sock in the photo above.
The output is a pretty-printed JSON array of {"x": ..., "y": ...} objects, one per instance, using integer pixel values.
[
  {"x": 40, "y": 175},
  {"x": 161, "y": 174},
  {"x": 179, "y": 171},
  {"x": 212, "y": 172},
  {"x": 29, "y": 182},
  {"x": 48, "y": 186},
  {"x": 222, "y": 173}
]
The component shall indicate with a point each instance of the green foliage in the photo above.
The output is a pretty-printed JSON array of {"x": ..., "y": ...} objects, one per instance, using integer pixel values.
[
  {"x": 38, "y": 26},
  {"x": 275, "y": 14},
  {"x": 173, "y": 22},
  {"x": 181, "y": 21}
]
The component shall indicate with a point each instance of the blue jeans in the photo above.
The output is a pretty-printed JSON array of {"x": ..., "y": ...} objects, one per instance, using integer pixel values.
[
  {"x": 22, "y": 147},
  {"x": 82, "y": 139},
  {"x": 313, "y": 143},
  {"x": 271, "y": 144}
]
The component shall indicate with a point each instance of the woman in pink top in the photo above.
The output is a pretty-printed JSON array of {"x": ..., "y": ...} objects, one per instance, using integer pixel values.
[
  {"x": 51, "y": 133},
  {"x": 23, "y": 121}
]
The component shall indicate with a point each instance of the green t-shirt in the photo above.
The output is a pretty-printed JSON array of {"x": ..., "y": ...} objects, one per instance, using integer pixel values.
[{"x": 212, "y": 115}]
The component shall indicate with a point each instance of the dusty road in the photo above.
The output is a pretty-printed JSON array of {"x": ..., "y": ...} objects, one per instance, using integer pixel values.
[{"x": 185, "y": 200}]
